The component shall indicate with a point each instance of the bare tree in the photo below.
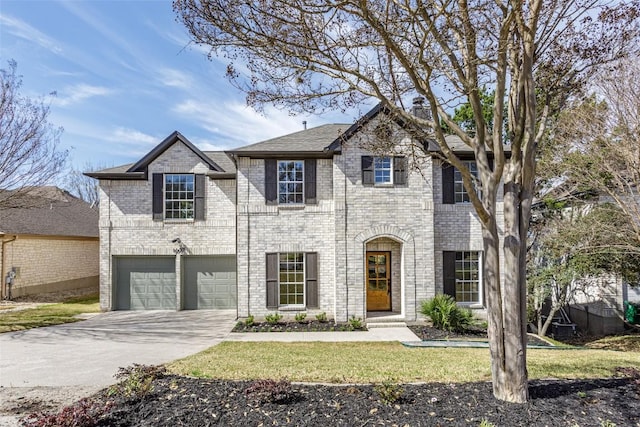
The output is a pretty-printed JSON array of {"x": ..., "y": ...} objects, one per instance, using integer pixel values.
[
  {"x": 597, "y": 141},
  {"x": 318, "y": 55},
  {"x": 83, "y": 186},
  {"x": 29, "y": 155}
]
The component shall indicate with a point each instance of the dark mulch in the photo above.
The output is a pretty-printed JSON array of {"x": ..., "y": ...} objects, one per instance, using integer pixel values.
[
  {"x": 303, "y": 326},
  {"x": 426, "y": 332},
  {"x": 181, "y": 401}
]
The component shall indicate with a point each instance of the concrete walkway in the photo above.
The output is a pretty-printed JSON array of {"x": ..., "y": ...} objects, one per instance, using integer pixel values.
[{"x": 373, "y": 334}]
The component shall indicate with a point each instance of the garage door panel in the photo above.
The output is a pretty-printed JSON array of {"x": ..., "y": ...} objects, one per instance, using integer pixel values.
[
  {"x": 145, "y": 283},
  {"x": 210, "y": 282}
]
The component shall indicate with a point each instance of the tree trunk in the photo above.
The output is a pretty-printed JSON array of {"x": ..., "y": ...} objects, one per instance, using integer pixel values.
[{"x": 507, "y": 335}]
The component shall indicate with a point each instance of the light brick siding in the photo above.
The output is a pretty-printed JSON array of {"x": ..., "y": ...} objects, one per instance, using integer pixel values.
[
  {"x": 263, "y": 229},
  {"x": 48, "y": 264},
  {"x": 127, "y": 226},
  {"x": 349, "y": 218}
]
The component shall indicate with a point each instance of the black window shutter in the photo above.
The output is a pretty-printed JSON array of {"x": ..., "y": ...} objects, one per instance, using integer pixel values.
[
  {"x": 367, "y": 170},
  {"x": 272, "y": 280},
  {"x": 448, "y": 195},
  {"x": 311, "y": 272},
  {"x": 400, "y": 170},
  {"x": 157, "y": 190},
  {"x": 271, "y": 181},
  {"x": 310, "y": 182},
  {"x": 199, "y": 199},
  {"x": 449, "y": 273}
]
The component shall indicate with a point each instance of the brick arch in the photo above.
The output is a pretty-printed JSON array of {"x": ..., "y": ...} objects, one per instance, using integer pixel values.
[{"x": 384, "y": 231}]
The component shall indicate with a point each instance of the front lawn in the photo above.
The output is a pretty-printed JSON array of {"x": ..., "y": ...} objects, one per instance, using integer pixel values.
[
  {"x": 371, "y": 362},
  {"x": 48, "y": 314}
]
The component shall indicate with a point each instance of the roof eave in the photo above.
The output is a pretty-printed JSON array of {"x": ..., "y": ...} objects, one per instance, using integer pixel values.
[
  {"x": 325, "y": 154},
  {"x": 126, "y": 176}
]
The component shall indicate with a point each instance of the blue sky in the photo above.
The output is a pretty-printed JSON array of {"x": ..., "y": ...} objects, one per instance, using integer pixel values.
[{"x": 126, "y": 76}]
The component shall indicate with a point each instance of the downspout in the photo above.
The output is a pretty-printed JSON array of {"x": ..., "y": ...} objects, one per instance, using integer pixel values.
[
  {"x": 346, "y": 222},
  {"x": 112, "y": 303},
  {"x": 2, "y": 265},
  {"x": 248, "y": 246}
]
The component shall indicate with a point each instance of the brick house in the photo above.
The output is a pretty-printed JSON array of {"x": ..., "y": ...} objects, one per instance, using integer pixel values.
[
  {"x": 314, "y": 221},
  {"x": 49, "y": 244}
]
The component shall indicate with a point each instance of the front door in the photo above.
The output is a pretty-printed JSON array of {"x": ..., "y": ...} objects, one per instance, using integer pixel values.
[{"x": 378, "y": 281}]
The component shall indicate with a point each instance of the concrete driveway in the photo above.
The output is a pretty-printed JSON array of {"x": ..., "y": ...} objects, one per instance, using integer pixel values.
[{"x": 89, "y": 353}]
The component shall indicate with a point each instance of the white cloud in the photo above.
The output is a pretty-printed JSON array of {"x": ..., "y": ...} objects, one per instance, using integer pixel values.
[
  {"x": 23, "y": 30},
  {"x": 133, "y": 137},
  {"x": 175, "y": 78},
  {"x": 237, "y": 124},
  {"x": 78, "y": 93}
]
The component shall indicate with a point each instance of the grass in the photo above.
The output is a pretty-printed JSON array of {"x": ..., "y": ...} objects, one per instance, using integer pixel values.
[
  {"x": 376, "y": 362},
  {"x": 48, "y": 314},
  {"x": 618, "y": 343}
]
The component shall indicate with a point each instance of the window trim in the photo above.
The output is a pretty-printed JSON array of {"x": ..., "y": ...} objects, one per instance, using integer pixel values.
[
  {"x": 390, "y": 169},
  {"x": 301, "y": 203},
  {"x": 192, "y": 200},
  {"x": 303, "y": 283},
  {"x": 479, "y": 281},
  {"x": 457, "y": 180}
]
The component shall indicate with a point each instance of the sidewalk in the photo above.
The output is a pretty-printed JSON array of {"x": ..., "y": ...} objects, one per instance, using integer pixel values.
[{"x": 373, "y": 334}]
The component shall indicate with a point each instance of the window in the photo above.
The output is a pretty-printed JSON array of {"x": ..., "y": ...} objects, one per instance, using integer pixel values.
[
  {"x": 468, "y": 277},
  {"x": 383, "y": 170},
  {"x": 291, "y": 280},
  {"x": 460, "y": 193},
  {"x": 291, "y": 182},
  {"x": 179, "y": 196}
]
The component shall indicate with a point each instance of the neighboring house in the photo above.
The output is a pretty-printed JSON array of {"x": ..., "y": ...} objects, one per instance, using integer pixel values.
[
  {"x": 312, "y": 221},
  {"x": 50, "y": 244},
  {"x": 595, "y": 304}
]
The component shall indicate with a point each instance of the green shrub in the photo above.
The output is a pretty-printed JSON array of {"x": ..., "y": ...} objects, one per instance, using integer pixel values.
[
  {"x": 321, "y": 317},
  {"x": 445, "y": 313},
  {"x": 389, "y": 391},
  {"x": 273, "y": 319},
  {"x": 355, "y": 322},
  {"x": 300, "y": 317},
  {"x": 249, "y": 320}
]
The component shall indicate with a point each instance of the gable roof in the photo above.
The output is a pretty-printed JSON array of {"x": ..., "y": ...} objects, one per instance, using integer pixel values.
[
  {"x": 453, "y": 141},
  {"x": 314, "y": 142},
  {"x": 220, "y": 165},
  {"x": 52, "y": 212},
  {"x": 176, "y": 136}
]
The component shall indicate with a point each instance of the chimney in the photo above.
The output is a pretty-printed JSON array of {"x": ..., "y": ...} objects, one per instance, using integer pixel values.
[
  {"x": 304, "y": 124},
  {"x": 419, "y": 110}
]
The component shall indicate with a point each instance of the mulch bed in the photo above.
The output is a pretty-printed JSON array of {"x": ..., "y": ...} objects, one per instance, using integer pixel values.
[
  {"x": 426, "y": 333},
  {"x": 182, "y": 401},
  {"x": 303, "y": 326}
]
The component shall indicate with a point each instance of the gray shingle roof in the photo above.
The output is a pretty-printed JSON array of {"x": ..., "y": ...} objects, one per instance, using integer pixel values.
[
  {"x": 314, "y": 140},
  {"x": 55, "y": 212}
]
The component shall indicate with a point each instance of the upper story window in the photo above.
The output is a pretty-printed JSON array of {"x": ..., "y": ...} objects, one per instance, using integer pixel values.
[
  {"x": 460, "y": 193},
  {"x": 453, "y": 190},
  {"x": 179, "y": 196},
  {"x": 291, "y": 182},
  {"x": 384, "y": 170}
]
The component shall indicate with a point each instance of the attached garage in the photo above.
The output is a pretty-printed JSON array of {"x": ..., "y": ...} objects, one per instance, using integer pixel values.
[
  {"x": 209, "y": 282},
  {"x": 145, "y": 283}
]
